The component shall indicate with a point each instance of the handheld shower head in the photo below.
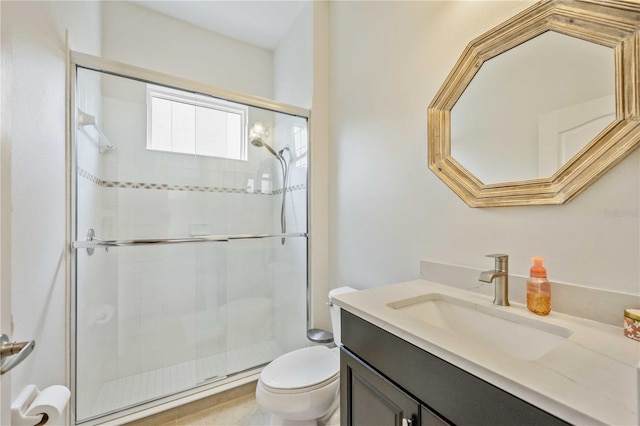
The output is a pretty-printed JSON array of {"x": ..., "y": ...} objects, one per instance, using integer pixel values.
[
  {"x": 259, "y": 143},
  {"x": 255, "y": 136}
]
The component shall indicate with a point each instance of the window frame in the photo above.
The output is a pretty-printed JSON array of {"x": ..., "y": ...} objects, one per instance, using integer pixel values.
[
  {"x": 300, "y": 135},
  {"x": 197, "y": 100}
]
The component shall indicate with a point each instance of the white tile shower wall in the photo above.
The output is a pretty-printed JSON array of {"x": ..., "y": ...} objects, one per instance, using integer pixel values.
[
  {"x": 204, "y": 302},
  {"x": 96, "y": 321},
  {"x": 96, "y": 274},
  {"x": 296, "y": 199},
  {"x": 196, "y": 297},
  {"x": 288, "y": 275},
  {"x": 157, "y": 299},
  {"x": 157, "y": 293},
  {"x": 290, "y": 278},
  {"x": 297, "y": 207},
  {"x": 126, "y": 117},
  {"x": 145, "y": 285},
  {"x": 224, "y": 301},
  {"x": 289, "y": 268}
]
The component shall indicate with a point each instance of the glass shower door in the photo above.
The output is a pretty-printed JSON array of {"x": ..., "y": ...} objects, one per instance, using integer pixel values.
[
  {"x": 190, "y": 241},
  {"x": 138, "y": 337},
  {"x": 263, "y": 315}
]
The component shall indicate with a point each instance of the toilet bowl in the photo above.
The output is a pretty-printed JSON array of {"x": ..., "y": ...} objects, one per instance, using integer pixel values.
[{"x": 302, "y": 387}]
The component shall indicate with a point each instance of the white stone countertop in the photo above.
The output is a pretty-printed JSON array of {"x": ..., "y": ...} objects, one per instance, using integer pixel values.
[{"x": 589, "y": 379}]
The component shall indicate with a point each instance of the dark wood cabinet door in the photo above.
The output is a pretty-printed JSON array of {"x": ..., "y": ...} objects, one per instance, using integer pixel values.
[{"x": 369, "y": 399}]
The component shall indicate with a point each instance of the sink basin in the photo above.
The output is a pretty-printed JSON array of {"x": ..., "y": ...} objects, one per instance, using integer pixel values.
[{"x": 487, "y": 325}]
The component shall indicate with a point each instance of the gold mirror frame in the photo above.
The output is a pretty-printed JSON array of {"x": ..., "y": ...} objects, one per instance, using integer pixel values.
[{"x": 611, "y": 23}]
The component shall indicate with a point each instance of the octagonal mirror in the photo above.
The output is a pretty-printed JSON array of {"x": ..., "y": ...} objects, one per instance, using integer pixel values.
[{"x": 538, "y": 108}]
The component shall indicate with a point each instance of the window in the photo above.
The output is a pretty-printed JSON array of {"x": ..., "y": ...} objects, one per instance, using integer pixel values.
[
  {"x": 189, "y": 123},
  {"x": 300, "y": 145}
]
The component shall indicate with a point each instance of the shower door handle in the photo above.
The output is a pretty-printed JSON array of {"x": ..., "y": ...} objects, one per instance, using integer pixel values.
[{"x": 20, "y": 350}]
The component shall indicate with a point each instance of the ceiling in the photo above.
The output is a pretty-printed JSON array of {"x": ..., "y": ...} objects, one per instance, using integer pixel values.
[{"x": 262, "y": 23}]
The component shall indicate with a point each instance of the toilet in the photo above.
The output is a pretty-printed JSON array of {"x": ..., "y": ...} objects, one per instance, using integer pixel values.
[{"x": 302, "y": 387}]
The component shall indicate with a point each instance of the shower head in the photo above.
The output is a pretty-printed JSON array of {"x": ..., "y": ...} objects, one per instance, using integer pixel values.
[{"x": 259, "y": 143}]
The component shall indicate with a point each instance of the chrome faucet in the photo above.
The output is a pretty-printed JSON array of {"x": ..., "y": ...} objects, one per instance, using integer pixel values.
[{"x": 501, "y": 276}]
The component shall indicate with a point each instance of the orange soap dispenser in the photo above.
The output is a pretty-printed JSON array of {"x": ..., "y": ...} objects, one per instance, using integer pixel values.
[{"x": 538, "y": 289}]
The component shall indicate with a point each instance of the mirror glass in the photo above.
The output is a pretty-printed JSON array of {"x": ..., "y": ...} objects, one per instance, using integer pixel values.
[{"x": 529, "y": 110}]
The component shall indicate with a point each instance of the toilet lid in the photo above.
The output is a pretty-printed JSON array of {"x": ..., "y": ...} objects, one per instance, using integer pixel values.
[{"x": 302, "y": 368}]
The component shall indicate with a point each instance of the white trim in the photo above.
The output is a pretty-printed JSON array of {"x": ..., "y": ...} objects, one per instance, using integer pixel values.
[
  {"x": 299, "y": 135},
  {"x": 6, "y": 325},
  {"x": 70, "y": 217}
]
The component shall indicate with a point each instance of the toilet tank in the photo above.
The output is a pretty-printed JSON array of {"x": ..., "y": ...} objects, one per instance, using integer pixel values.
[{"x": 335, "y": 312}]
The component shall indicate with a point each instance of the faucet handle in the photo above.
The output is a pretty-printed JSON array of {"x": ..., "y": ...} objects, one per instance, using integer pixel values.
[
  {"x": 502, "y": 261},
  {"x": 499, "y": 256}
]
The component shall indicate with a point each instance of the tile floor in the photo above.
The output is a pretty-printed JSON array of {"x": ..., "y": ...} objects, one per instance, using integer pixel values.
[{"x": 241, "y": 411}]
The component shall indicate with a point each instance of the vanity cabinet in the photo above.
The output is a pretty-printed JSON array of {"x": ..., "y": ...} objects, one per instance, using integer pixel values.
[
  {"x": 371, "y": 399},
  {"x": 387, "y": 381}
]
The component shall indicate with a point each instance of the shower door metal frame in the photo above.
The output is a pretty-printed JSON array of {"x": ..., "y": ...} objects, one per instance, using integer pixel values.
[{"x": 76, "y": 60}]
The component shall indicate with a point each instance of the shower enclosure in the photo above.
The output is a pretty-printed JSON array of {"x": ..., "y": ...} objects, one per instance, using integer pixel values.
[{"x": 183, "y": 276}]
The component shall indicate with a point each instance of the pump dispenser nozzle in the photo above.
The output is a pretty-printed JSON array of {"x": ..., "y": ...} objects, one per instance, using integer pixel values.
[{"x": 537, "y": 270}]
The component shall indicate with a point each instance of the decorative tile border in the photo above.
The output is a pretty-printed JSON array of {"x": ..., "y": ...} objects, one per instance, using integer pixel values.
[
  {"x": 291, "y": 189},
  {"x": 191, "y": 188},
  {"x": 85, "y": 174}
]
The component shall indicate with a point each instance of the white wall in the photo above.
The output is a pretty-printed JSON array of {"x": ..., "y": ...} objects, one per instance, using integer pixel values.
[
  {"x": 293, "y": 62},
  {"x": 144, "y": 38},
  {"x": 35, "y": 32},
  {"x": 388, "y": 211}
]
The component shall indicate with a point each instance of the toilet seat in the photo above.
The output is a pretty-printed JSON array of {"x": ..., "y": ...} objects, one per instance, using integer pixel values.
[{"x": 302, "y": 370}]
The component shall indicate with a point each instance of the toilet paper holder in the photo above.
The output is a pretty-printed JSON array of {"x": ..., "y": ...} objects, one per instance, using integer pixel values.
[
  {"x": 33, "y": 407},
  {"x": 18, "y": 350}
]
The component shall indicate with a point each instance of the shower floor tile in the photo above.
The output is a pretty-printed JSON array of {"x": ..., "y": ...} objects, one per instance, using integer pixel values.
[{"x": 144, "y": 387}]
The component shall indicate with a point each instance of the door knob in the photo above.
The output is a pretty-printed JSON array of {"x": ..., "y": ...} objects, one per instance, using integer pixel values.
[{"x": 18, "y": 350}]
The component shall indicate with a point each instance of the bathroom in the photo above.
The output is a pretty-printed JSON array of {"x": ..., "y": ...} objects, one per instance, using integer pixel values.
[{"x": 367, "y": 71}]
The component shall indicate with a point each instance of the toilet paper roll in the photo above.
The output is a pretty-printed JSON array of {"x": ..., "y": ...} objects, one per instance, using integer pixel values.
[{"x": 33, "y": 407}]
